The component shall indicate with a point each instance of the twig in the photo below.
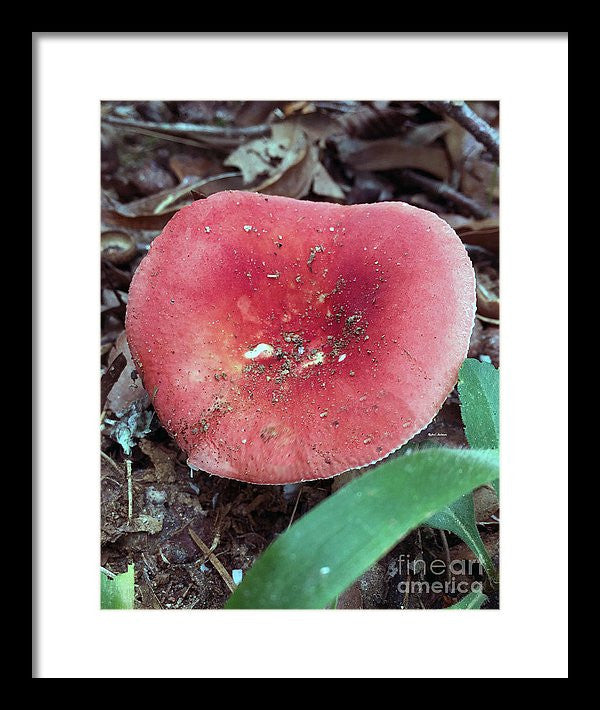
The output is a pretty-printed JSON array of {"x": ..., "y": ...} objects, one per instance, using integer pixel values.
[
  {"x": 420, "y": 546},
  {"x": 107, "y": 572},
  {"x": 184, "y": 595},
  {"x": 167, "y": 137},
  {"x": 406, "y": 591},
  {"x": 225, "y": 576},
  {"x": 436, "y": 188},
  {"x": 111, "y": 462},
  {"x": 180, "y": 128},
  {"x": 112, "y": 480},
  {"x": 471, "y": 122},
  {"x": 295, "y": 508},
  {"x": 446, "y": 554},
  {"x": 156, "y": 604}
]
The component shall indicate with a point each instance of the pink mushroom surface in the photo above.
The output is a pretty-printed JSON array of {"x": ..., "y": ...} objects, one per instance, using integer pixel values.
[{"x": 285, "y": 340}]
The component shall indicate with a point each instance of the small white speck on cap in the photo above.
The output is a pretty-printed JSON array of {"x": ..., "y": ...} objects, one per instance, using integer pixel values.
[
  {"x": 342, "y": 357},
  {"x": 325, "y": 570},
  {"x": 244, "y": 441},
  {"x": 207, "y": 230},
  {"x": 247, "y": 227}
]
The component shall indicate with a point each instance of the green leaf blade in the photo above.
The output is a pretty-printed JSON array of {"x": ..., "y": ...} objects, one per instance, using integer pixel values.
[
  {"x": 478, "y": 388},
  {"x": 333, "y": 544},
  {"x": 117, "y": 593},
  {"x": 473, "y": 600},
  {"x": 459, "y": 518}
]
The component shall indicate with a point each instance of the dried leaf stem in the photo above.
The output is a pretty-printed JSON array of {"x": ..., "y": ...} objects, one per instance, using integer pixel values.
[
  {"x": 107, "y": 458},
  {"x": 471, "y": 122},
  {"x": 198, "y": 130},
  {"x": 436, "y": 188},
  {"x": 216, "y": 563}
]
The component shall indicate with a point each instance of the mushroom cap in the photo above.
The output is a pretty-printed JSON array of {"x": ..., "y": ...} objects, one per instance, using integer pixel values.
[{"x": 285, "y": 340}]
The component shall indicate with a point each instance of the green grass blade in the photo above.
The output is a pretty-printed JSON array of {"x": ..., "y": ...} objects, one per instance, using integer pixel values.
[
  {"x": 333, "y": 544},
  {"x": 117, "y": 593},
  {"x": 473, "y": 600},
  {"x": 478, "y": 388},
  {"x": 459, "y": 518}
]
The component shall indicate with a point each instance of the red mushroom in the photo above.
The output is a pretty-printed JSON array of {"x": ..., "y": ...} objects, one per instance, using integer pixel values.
[{"x": 285, "y": 340}]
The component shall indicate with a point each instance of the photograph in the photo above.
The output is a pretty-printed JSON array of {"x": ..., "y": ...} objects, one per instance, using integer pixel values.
[
  {"x": 279, "y": 426},
  {"x": 300, "y": 353}
]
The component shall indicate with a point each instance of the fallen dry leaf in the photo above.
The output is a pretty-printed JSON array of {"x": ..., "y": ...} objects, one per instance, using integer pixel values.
[
  {"x": 480, "y": 181},
  {"x": 297, "y": 107},
  {"x": 117, "y": 247},
  {"x": 485, "y": 502},
  {"x": 145, "y": 523},
  {"x": 162, "y": 460},
  {"x": 370, "y": 187},
  {"x": 324, "y": 185},
  {"x": 392, "y": 153},
  {"x": 288, "y": 162},
  {"x": 184, "y": 165},
  {"x": 376, "y": 120},
  {"x": 319, "y": 126},
  {"x": 488, "y": 299},
  {"x": 270, "y": 156},
  {"x": 251, "y": 113},
  {"x": 295, "y": 180},
  {"x": 126, "y": 390},
  {"x": 111, "y": 375},
  {"x": 426, "y": 133},
  {"x": 154, "y": 212},
  {"x": 483, "y": 233}
]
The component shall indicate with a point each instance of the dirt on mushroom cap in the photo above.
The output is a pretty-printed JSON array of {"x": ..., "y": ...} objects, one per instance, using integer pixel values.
[{"x": 289, "y": 340}]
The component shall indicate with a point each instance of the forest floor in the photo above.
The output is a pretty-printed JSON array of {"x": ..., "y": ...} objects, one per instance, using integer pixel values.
[{"x": 158, "y": 156}]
